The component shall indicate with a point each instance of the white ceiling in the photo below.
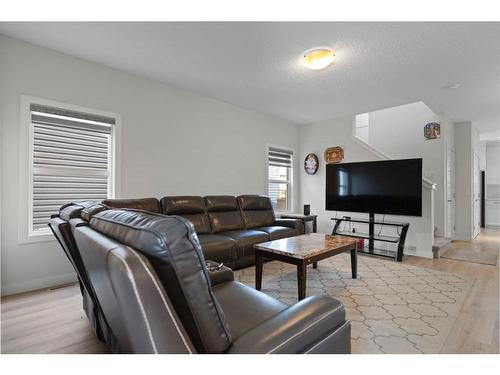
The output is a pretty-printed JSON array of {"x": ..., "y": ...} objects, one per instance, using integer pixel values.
[{"x": 258, "y": 65}]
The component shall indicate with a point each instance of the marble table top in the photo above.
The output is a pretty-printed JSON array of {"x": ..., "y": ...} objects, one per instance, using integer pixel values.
[
  {"x": 298, "y": 216},
  {"x": 307, "y": 245}
]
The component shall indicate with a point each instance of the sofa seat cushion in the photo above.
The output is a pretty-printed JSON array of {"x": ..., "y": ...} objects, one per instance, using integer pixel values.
[
  {"x": 244, "y": 307},
  {"x": 276, "y": 232},
  {"x": 218, "y": 248},
  {"x": 245, "y": 239},
  {"x": 314, "y": 325}
]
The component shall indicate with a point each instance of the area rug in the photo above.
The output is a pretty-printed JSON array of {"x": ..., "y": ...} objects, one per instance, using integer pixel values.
[
  {"x": 472, "y": 254},
  {"x": 393, "y": 307}
]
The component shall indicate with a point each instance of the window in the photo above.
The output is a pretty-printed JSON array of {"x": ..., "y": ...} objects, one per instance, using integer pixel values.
[
  {"x": 280, "y": 178},
  {"x": 71, "y": 158}
]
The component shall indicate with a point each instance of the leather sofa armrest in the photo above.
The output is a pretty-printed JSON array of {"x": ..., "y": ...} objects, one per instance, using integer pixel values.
[
  {"x": 218, "y": 274},
  {"x": 316, "y": 324},
  {"x": 296, "y": 224}
]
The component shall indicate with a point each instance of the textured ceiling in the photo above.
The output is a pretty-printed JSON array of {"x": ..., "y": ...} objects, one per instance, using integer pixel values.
[{"x": 258, "y": 65}]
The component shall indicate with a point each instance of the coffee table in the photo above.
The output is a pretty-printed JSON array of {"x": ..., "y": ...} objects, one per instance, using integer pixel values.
[{"x": 302, "y": 251}]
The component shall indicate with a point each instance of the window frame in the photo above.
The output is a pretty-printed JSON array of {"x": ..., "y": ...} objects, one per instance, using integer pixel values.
[
  {"x": 25, "y": 232},
  {"x": 289, "y": 199}
]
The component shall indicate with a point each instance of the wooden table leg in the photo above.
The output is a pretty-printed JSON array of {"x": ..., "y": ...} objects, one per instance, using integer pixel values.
[
  {"x": 315, "y": 265},
  {"x": 301, "y": 279},
  {"x": 354, "y": 263},
  {"x": 258, "y": 271}
]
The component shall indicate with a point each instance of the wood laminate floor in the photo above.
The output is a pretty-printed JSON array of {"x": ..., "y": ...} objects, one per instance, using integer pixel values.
[
  {"x": 52, "y": 321},
  {"x": 47, "y": 321},
  {"x": 477, "y": 327}
]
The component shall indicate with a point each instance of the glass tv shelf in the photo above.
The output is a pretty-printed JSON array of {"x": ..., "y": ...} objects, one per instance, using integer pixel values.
[{"x": 372, "y": 237}]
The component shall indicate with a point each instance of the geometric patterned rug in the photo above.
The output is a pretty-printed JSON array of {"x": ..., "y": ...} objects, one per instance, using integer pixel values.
[{"x": 393, "y": 307}]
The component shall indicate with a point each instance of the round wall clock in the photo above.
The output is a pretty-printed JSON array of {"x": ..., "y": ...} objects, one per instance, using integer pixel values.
[{"x": 311, "y": 164}]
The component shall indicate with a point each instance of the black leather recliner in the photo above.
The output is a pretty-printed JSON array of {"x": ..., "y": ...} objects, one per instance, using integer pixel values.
[
  {"x": 157, "y": 295},
  {"x": 59, "y": 224}
]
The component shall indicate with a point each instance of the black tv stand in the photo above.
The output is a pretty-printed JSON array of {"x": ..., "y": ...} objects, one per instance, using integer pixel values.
[{"x": 372, "y": 237}]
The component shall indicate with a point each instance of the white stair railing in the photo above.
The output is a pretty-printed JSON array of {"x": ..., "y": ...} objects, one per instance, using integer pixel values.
[{"x": 428, "y": 184}]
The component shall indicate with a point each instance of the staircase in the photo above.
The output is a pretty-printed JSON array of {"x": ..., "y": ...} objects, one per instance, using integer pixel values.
[
  {"x": 440, "y": 245},
  {"x": 363, "y": 142},
  {"x": 421, "y": 240}
]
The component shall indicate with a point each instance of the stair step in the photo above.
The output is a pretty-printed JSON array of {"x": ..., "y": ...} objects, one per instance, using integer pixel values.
[{"x": 440, "y": 244}]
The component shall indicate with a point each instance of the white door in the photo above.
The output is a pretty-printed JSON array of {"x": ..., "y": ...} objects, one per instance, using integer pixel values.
[
  {"x": 450, "y": 193},
  {"x": 492, "y": 165},
  {"x": 493, "y": 212},
  {"x": 477, "y": 197}
]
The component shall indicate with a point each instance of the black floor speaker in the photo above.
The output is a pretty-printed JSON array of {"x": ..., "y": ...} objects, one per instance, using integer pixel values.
[{"x": 307, "y": 209}]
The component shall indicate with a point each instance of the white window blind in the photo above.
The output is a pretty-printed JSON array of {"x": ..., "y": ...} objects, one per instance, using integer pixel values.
[
  {"x": 71, "y": 160},
  {"x": 279, "y": 177}
]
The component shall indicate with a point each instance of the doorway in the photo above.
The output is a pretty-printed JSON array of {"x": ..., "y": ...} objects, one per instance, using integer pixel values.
[
  {"x": 476, "y": 226},
  {"x": 450, "y": 192}
]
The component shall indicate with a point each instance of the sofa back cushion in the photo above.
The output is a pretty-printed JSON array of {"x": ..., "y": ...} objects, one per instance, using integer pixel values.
[
  {"x": 256, "y": 210},
  {"x": 223, "y": 213},
  {"x": 189, "y": 207},
  {"x": 143, "y": 204},
  {"x": 74, "y": 209},
  {"x": 171, "y": 246},
  {"x": 92, "y": 210}
]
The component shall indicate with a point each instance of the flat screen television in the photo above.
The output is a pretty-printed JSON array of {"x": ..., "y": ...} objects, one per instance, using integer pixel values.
[{"x": 391, "y": 187}]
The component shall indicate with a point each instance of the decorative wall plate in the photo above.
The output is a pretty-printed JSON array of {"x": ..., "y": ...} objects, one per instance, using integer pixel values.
[
  {"x": 432, "y": 130},
  {"x": 311, "y": 164},
  {"x": 334, "y": 155}
]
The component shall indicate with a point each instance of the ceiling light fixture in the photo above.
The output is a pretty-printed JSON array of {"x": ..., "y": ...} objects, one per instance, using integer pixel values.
[{"x": 318, "y": 58}]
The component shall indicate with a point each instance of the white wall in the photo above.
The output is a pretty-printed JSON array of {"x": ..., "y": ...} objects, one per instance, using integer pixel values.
[
  {"x": 492, "y": 155},
  {"x": 316, "y": 138},
  {"x": 399, "y": 133},
  {"x": 481, "y": 150},
  {"x": 362, "y": 122},
  {"x": 463, "y": 180},
  {"x": 173, "y": 142},
  {"x": 476, "y": 143}
]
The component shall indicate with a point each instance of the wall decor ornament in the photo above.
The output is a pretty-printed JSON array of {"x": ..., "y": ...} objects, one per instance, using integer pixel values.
[
  {"x": 432, "y": 130},
  {"x": 311, "y": 164},
  {"x": 334, "y": 155}
]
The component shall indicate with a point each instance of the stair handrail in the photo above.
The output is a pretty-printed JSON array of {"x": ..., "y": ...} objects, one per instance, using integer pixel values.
[{"x": 425, "y": 181}]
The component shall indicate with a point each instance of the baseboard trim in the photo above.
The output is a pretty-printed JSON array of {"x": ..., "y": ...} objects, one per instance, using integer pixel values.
[
  {"x": 46, "y": 282},
  {"x": 421, "y": 254},
  {"x": 463, "y": 239}
]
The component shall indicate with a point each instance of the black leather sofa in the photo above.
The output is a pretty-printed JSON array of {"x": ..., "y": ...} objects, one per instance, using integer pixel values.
[
  {"x": 153, "y": 292},
  {"x": 227, "y": 226}
]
